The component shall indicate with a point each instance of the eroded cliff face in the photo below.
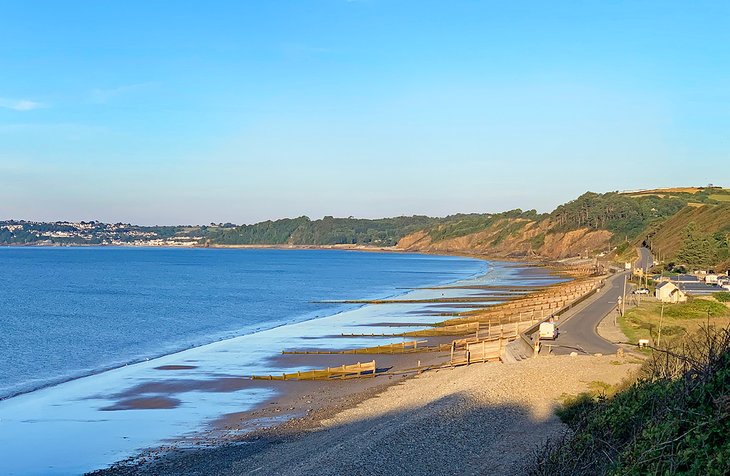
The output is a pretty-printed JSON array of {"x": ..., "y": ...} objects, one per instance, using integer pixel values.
[{"x": 531, "y": 239}]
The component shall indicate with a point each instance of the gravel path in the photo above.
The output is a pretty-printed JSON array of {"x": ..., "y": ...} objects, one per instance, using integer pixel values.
[{"x": 484, "y": 419}]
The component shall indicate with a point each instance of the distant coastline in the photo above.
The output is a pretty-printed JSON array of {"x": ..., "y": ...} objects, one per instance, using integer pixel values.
[{"x": 605, "y": 225}]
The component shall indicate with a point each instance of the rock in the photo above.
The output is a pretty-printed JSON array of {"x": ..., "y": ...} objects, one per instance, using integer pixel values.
[{"x": 574, "y": 354}]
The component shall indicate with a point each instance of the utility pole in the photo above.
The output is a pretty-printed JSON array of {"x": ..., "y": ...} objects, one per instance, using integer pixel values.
[
  {"x": 623, "y": 300},
  {"x": 661, "y": 318}
]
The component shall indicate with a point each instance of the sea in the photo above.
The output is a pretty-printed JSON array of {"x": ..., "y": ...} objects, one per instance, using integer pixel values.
[
  {"x": 81, "y": 328},
  {"x": 70, "y": 312}
]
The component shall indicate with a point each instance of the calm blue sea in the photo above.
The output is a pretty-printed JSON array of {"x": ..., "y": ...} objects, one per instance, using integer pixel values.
[{"x": 68, "y": 312}]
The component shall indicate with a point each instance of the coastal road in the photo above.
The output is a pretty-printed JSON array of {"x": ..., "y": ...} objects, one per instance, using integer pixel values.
[
  {"x": 577, "y": 328},
  {"x": 646, "y": 259}
]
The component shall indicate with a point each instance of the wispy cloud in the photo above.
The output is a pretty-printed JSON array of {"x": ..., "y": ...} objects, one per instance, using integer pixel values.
[
  {"x": 103, "y": 96},
  {"x": 61, "y": 130},
  {"x": 19, "y": 104}
]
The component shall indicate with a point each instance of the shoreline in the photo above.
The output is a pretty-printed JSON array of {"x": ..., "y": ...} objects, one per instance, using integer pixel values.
[
  {"x": 519, "y": 406},
  {"x": 276, "y": 324},
  {"x": 297, "y": 406},
  {"x": 217, "y": 384},
  {"x": 110, "y": 385},
  {"x": 528, "y": 261}
]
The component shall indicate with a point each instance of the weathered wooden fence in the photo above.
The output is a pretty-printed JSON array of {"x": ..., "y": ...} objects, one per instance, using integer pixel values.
[
  {"x": 342, "y": 372},
  {"x": 480, "y": 351}
]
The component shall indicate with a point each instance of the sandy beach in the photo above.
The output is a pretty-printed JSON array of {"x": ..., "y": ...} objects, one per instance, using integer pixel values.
[
  {"x": 179, "y": 399},
  {"x": 205, "y": 399},
  {"x": 481, "y": 419}
]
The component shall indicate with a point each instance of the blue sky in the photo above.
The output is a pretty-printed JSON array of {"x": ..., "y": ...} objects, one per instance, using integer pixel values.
[{"x": 190, "y": 112}]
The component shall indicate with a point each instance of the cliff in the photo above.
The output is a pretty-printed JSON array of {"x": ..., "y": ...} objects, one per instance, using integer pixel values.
[{"x": 513, "y": 238}]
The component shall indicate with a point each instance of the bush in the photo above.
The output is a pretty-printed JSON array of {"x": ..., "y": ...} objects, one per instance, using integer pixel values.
[
  {"x": 575, "y": 408},
  {"x": 722, "y": 296},
  {"x": 673, "y": 420}
]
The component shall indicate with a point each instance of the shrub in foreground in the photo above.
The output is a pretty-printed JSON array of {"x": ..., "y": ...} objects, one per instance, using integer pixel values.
[{"x": 674, "y": 420}]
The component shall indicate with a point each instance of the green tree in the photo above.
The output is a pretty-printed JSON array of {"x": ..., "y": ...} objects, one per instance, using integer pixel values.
[{"x": 699, "y": 249}]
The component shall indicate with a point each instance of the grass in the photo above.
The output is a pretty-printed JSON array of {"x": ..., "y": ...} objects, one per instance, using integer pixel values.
[
  {"x": 602, "y": 388},
  {"x": 642, "y": 322},
  {"x": 722, "y": 296},
  {"x": 696, "y": 309},
  {"x": 720, "y": 197},
  {"x": 597, "y": 390},
  {"x": 625, "y": 252}
]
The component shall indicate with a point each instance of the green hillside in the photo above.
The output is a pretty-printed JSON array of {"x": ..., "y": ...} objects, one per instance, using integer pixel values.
[
  {"x": 707, "y": 223},
  {"x": 326, "y": 231},
  {"x": 655, "y": 216}
]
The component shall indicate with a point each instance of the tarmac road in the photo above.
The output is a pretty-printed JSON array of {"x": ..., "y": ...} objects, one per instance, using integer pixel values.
[{"x": 577, "y": 328}]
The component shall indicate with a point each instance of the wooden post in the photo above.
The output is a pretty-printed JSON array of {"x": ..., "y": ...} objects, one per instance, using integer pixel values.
[
  {"x": 453, "y": 347},
  {"x": 661, "y": 318}
]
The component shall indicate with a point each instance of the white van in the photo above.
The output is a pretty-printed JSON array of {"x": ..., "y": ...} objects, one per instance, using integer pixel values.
[{"x": 548, "y": 330}]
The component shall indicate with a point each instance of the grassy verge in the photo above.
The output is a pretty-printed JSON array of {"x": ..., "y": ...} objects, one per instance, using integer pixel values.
[
  {"x": 675, "y": 419},
  {"x": 645, "y": 320}
]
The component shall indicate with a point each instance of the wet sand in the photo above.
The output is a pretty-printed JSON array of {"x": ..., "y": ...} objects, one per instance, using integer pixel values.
[
  {"x": 297, "y": 405},
  {"x": 443, "y": 422}
]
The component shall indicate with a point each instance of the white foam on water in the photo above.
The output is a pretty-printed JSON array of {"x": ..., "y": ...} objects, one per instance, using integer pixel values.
[{"x": 63, "y": 430}]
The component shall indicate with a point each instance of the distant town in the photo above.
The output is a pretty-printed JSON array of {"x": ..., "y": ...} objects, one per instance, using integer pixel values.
[{"x": 61, "y": 233}]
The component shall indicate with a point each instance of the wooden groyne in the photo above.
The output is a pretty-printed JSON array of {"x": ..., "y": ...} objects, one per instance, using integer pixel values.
[
  {"x": 441, "y": 300},
  {"x": 537, "y": 305},
  {"x": 486, "y": 329},
  {"x": 484, "y": 333},
  {"x": 367, "y": 369},
  {"x": 397, "y": 348}
]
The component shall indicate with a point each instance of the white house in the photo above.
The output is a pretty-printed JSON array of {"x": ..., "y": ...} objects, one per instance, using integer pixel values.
[{"x": 669, "y": 292}]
